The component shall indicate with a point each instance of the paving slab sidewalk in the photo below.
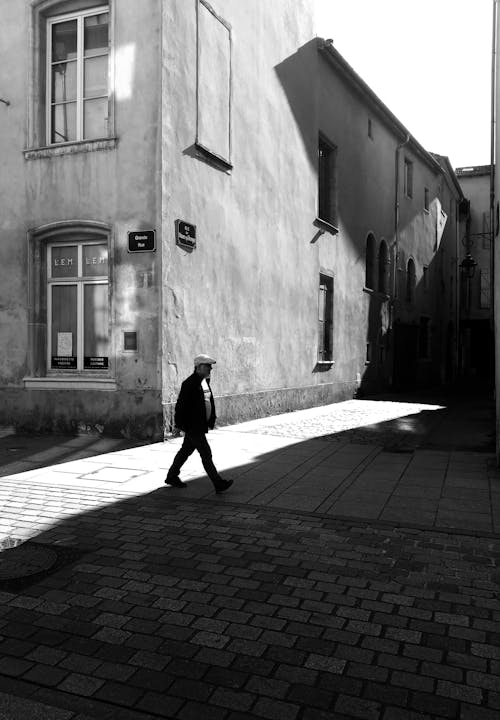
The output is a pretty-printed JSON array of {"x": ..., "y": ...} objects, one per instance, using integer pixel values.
[{"x": 375, "y": 460}]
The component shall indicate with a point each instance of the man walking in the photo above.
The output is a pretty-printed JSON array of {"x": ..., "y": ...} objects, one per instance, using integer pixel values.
[{"x": 195, "y": 415}]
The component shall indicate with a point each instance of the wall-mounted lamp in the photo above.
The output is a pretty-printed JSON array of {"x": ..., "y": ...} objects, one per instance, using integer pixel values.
[
  {"x": 468, "y": 266},
  {"x": 5, "y": 102}
]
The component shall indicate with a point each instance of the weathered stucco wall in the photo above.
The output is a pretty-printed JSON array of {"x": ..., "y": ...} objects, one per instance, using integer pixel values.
[
  {"x": 13, "y": 253},
  {"x": 248, "y": 293},
  {"x": 366, "y": 205},
  {"x": 118, "y": 187},
  {"x": 368, "y": 148}
]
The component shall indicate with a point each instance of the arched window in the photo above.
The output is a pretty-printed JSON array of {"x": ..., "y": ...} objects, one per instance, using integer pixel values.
[
  {"x": 370, "y": 262},
  {"x": 73, "y": 302},
  {"x": 383, "y": 268},
  {"x": 411, "y": 281}
]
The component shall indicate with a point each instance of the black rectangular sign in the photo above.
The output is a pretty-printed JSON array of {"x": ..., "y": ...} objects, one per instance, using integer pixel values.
[
  {"x": 64, "y": 362},
  {"x": 95, "y": 363},
  {"x": 142, "y": 241},
  {"x": 185, "y": 234}
]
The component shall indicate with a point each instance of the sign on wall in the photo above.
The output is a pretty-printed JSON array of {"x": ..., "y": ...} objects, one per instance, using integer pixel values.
[
  {"x": 142, "y": 241},
  {"x": 95, "y": 363},
  {"x": 185, "y": 234}
]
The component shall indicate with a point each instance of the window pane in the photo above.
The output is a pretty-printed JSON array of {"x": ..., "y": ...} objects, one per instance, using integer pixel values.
[
  {"x": 95, "y": 118},
  {"x": 321, "y": 340},
  {"x": 63, "y": 123},
  {"x": 96, "y": 34},
  {"x": 95, "y": 260},
  {"x": 96, "y": 76},
  {"x": 64, "y": 40},
  {"x": 64, "y": 326},
  {"x": 64, "y": 82},
  {"x": 322, "y": 303},
  {"x": 324, "y": 171},
  {"x": 95, "y": 326},
  {"x": 64, "y": 261}
]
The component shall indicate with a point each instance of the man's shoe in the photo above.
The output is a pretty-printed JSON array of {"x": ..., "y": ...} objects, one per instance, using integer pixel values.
[
  {"x": 223, "y": 486},
  {"x": 175, "y": 481}
]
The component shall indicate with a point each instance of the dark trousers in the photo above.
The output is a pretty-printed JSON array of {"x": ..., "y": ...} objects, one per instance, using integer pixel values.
[{"x": 191, "y": 443}]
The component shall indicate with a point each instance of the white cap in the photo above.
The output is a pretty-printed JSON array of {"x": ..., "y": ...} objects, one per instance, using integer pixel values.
[{"x": 204, "y": 360}]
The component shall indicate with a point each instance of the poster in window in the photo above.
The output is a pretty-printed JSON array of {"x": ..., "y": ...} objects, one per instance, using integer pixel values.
[{"x": 65, "y": 344}]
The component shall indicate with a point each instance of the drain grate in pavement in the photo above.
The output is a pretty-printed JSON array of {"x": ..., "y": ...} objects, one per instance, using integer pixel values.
[{"x": 23, "y": 563}]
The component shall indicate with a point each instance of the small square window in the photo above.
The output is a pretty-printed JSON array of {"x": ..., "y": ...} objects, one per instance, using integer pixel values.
[
  {"x": 426, "y": 199},
  {"x": 130, "y": 341}
]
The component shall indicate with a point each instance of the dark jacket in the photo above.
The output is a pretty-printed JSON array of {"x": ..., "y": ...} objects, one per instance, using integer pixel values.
[{"x": 190, "y": 414}]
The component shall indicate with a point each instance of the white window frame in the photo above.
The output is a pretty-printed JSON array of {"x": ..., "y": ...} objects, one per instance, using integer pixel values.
[
  {"x": 79, "y": 17},
  {"x": 325, "y": 324},
  {"x": 81, "y": 282}
]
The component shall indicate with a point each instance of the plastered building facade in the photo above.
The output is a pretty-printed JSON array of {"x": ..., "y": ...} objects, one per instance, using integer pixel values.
[
  {"x": 186, "y": 177},
  {"x": 477, "y": 357}
]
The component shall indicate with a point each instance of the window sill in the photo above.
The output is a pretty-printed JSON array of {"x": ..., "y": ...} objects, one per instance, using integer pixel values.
[
  {"x": 216, "y": 160},
  {"x": 325, "y": 362},
  {"x": 70, "y": 383},
  {"x": 71, "y": 148},
  {"x": 383, "y": 296},
  {"x": 324, "y": 225}
]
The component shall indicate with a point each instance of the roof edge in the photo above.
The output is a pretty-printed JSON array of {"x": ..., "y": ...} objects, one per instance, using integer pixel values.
[
  {"x": 332, "y": 55},
  {"x": 444, "y": 160}
]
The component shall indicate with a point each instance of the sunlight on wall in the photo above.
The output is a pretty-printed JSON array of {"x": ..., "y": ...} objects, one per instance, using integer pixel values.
[{"x": 124, "y": 71}]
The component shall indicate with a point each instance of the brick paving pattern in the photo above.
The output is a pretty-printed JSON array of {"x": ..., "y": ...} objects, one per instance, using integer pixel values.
[{"x": 194, "y": 609}]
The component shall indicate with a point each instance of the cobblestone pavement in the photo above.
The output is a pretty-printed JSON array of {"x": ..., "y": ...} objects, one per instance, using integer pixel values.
[
  {"x": 191, "y": 609},
  {"x": 390, "y": 421},
  {"x": 370, "y": 421},
  {"x": 121, "y": 598}
]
